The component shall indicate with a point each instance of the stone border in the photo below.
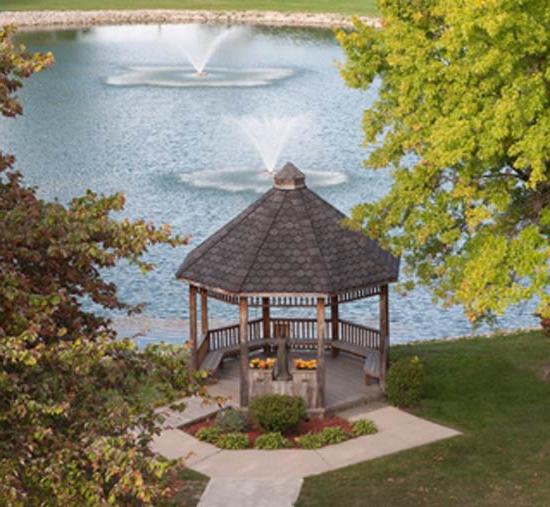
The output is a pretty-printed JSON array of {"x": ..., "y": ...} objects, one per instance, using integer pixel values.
[{"x": 75, "y": 19}]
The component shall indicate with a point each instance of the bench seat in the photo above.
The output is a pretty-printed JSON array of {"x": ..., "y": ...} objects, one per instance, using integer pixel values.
[
  {"x": 356, "y": 350},
  {"x": 212, "y": 361}
]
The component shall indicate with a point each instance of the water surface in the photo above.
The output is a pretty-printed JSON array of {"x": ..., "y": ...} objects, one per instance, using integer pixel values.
[{"x": 179, "y": 157}]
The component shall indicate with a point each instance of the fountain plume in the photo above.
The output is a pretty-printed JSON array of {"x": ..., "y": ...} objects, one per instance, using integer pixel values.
[
  {"x": 269, "y": 135},
  {"x": 199, "y": 45}
]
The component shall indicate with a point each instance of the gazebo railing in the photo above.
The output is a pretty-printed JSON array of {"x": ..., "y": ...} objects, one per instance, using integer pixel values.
[
  {"x": 299, "y": 329},
  {"x": 359, "y": 335},
  {"x": 296, "y": 329}
]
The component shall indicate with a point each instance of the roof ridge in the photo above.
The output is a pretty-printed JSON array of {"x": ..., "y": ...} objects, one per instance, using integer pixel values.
[
  {"x": 308, "y": 211},
  {"x": 251, "y": 265},
  {"x": 226, "y": 229}
]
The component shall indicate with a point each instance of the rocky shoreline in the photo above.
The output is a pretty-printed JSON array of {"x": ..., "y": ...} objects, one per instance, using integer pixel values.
[{"x": 71, "y": 19}]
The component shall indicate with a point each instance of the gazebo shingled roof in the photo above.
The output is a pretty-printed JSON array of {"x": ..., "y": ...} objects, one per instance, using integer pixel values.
[{"x": 290, "y": 241}]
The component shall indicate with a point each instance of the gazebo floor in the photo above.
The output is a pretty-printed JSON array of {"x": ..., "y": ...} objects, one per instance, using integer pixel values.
[{"x": 345, "y": 381}]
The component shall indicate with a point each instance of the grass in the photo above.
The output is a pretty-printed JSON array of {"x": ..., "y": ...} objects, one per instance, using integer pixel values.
[
  {"x": 340, "y": 6},
  {"x": 187, "y": 486},
  {"x": 492, "y": 390}
]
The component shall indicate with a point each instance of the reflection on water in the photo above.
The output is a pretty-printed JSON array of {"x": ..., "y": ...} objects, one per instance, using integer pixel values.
[{"x": 175, "y": 157}]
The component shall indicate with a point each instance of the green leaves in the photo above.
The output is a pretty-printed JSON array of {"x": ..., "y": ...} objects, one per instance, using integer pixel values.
[
  {"x": 76, "y": 411},
  {"x": 465, "y": 90},
  {"x": 16, "y": 63}
]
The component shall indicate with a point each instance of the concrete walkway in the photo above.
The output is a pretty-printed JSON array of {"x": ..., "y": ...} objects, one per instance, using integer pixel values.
[
  {"x": 255, "y": 476},
  {"x": 251, "y": 492}
]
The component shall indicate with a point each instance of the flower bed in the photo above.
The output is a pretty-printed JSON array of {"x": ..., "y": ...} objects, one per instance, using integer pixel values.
[{"x": 309, "y": 434}]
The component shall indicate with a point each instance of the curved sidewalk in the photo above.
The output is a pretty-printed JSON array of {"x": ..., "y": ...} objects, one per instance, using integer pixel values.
[{"x": 267, "y": 473}]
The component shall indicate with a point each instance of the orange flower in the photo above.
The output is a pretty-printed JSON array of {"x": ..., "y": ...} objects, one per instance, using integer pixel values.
[
  {"x": 303, "y": 364},
  {"x": 262, "y": 364}
]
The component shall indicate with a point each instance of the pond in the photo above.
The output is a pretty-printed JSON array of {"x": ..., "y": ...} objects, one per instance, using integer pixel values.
[{"x": 122, "y": 111}]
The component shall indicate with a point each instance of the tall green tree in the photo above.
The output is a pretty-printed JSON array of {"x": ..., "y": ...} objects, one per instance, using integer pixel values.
[
  {"x": 75, "y": 424},
  {"x": 463, "y": 119}
]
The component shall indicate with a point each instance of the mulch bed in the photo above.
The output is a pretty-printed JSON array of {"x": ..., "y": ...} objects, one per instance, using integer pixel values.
[{"x": 313, "y": 425}]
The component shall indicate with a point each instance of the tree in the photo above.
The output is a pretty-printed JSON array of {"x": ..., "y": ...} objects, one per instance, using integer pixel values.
[
  {"x": 463, "y": 119},
  {"x": 75, "y": 423}
]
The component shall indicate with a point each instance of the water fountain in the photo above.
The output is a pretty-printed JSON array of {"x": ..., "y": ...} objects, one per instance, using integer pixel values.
[
  {"x": 269, "y": 135},
  {"x": 199, "y": 44}
]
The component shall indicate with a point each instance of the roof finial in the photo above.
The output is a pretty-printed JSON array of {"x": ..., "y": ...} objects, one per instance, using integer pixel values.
[{"x": 290, "y": 178}]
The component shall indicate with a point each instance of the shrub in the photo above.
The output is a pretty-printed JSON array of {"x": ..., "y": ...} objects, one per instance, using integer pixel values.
[
  {"x": 333, "y": 435},
  {"x": 363, "y": 427},
  {"x": 274, "y": 440},
  {"x": 310, "y": 441},
  {"x": 404, "y": 383},
  {"x": 278, "y": 412},
  {"x": 210, "y": 434},
  {"x": 233, "y": 441},
  {"x": 232, "y": 421}
]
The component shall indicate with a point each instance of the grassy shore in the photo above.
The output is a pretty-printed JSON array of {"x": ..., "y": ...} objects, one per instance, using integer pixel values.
[
  {"x": 492, "y": 390},
  {"x": 363, "y": 7}
]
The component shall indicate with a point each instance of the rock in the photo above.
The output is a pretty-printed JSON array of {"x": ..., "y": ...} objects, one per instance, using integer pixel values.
[{"x": 38, "y": 19}]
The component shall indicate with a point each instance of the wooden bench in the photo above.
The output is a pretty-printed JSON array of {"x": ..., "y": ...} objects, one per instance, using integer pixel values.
[
  {"x": 212, "y": 361},
  {"x": 371, "y": 356},
  {"x": 356, "y": 350}
]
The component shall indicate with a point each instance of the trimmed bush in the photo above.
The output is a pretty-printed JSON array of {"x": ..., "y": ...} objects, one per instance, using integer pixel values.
[
  {"x": 233, "y": 441},
  {"x": 333, "y": 435},
  {"x": 210, "y": 434},
  {"x": 404, "y": 382},
  {"x": 274, "y": 440},
  {"x": 232, "y": 421},
  {"x": 310, "y": 441},
  {"x": 363, "y": 427},
  {"x": 278, "y": 412}
]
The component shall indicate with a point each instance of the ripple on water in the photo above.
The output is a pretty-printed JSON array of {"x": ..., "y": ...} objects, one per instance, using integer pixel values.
[
  {"x": 239, "y": 180},
  {"x": 186, "y": 77}
]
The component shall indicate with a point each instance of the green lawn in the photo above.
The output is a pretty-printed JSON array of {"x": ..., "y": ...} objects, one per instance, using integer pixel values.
[
  {"x": 490, "y": 389},
  {"x": 341, "y": 6},
  {"x": 187, "y": 487}
]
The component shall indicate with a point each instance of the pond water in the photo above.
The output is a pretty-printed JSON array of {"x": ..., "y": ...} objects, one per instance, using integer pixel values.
[{"x": 113, "y": 115}]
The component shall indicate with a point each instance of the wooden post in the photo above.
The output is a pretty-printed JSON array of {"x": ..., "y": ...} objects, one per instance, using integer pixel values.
[
  {"x": 243, "y": 333},
  {"x": 266, "y": 323},
  {"x": 193, "y": 325},
  {"x": 204, "y": 312},
  {"x": 384, "y": 335},
  {"x": 321, "y": 352},
  {"x": 334, "y": 319}
]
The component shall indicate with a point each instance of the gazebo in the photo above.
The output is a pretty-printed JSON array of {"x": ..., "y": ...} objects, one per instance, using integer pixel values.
[{"x": 288, "y": 249}]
